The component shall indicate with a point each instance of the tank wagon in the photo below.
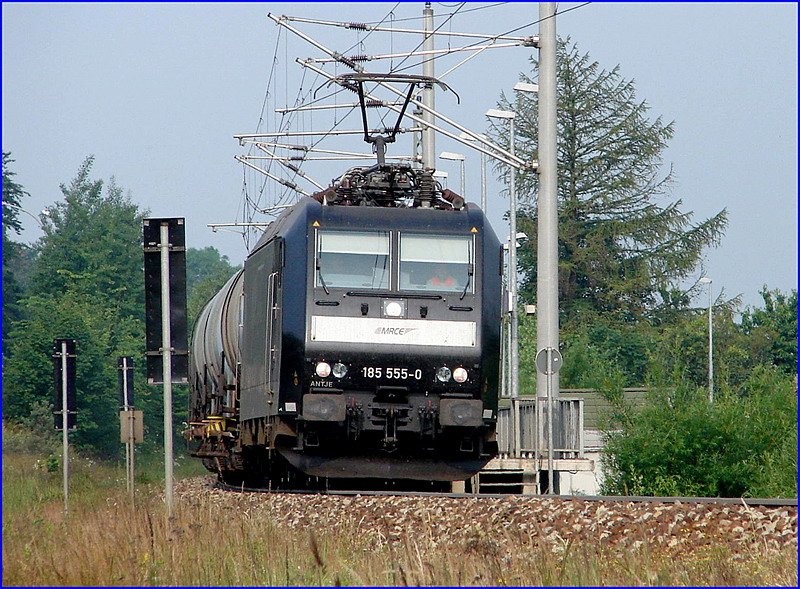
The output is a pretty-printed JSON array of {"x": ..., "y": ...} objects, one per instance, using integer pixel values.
[{"x": 360, "y": 339}]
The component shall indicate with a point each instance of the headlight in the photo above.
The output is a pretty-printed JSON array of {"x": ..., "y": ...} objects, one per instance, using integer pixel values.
[
  {"x": 460, "y": 374},
  {"x": 323, "y": 369},
  {"x": 339, "y": 370},
  {"x": 443, "y": 374},
  {"x": 393, "y": 309}
]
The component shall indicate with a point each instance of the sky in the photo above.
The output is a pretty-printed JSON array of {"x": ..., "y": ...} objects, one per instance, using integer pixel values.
[{"x": 155, "y": 92}]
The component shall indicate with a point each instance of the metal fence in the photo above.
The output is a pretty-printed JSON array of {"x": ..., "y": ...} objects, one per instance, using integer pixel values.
[{"x": 567, "y": 428}]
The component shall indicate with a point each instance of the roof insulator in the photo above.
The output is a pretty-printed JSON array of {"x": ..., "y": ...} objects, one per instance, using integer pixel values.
[
  {"x": 345, "y": 60},
  {"x": 359, "y": 26},
  {"x": 299, "y": 147},
  {"x": 374, "y": 103},
  {"x": 288, "y": 184},
  {"x": 361, "y": 57}
]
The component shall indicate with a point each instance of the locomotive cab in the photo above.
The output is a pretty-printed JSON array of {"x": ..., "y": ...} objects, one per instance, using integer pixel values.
[{"x": 401, "y": 343}]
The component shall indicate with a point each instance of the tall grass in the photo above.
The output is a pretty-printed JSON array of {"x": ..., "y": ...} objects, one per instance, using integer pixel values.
[{"x": 105, "y": 540}]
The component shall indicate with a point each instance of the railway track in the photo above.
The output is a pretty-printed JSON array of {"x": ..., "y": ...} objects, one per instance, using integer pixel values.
[
  {"x": 749, "y": 502},
  {"x": 501, "y": 523}
]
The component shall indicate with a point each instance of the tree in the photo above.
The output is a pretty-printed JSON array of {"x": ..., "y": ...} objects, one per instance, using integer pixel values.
[
  {"x": 777, "y": 324},
  {"x": 12, "y": 197},
  {"x": 88, "y": 285},
  {"x": 206, "y": 272},
  {"x": 622, "y": 246},
  {"x": 13, "y": 193},
  {"x": 92, "y": 245},
  {"x": 101, "y": 335}
]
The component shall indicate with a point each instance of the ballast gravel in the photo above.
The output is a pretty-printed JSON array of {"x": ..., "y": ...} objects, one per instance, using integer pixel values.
[{"x": 555, "y": 522}]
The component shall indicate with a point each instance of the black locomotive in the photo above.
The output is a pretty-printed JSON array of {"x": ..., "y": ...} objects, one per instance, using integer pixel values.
[{"x": 361, "y": 339}]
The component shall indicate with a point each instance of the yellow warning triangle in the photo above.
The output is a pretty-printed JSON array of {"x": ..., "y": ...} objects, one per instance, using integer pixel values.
[
  {"x": 473, "y": 230},
  {"x": 315, "y": 224}
]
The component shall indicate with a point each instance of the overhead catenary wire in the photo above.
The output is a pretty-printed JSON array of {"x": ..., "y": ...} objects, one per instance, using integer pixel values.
[
  {"x": 334, "y": 94},
  {"x": 289, "y": 115},
  {"x": 442, "y": 15},
  {"x": 500, "y": 36},
  {"x": 366, "y": 27},
  {"x": 390, "y": 13},
  {"x": 434, "y": 32},
  {"x": 246, "y": 215},
  {"x": 496, "y": 151},
  {"x": 449, "y": 51}
]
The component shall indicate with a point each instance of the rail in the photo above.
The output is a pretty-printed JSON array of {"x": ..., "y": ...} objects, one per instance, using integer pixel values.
[{"x": 748, "y": 501}]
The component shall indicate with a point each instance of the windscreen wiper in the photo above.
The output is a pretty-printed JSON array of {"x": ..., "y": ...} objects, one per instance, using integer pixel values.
[
  {"x": 470, "y": 271},
  {"x": 322, "y": 278}
]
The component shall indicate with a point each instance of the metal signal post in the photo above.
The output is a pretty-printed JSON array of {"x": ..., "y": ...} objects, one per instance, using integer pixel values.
[
  {"x": 165, "y": 296},
  {"x": 64, "y": 426},
  {"x": 64, "y": 370},
  {"x": 125, "y": 368},
  {"x": 548, "y": 362},
  {"x": 166, "y": 354}
]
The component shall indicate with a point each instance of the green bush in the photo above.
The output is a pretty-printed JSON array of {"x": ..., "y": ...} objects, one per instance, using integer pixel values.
[
  {"x": 33, "y": 433},
  {"x": 742, "y": 445}
]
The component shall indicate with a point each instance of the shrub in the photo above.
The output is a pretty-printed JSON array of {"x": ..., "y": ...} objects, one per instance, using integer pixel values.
[{"x": 677, "y": 444}]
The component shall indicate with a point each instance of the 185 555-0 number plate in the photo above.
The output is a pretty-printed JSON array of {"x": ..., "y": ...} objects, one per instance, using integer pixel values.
[{"x": 391, "y": 373}]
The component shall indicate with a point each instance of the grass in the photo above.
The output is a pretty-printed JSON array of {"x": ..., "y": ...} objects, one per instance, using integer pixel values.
[{"x": 105, "y": 541}]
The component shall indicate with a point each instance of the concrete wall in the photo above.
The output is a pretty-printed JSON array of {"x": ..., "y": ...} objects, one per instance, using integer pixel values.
[{"x": 585, "y": 483}]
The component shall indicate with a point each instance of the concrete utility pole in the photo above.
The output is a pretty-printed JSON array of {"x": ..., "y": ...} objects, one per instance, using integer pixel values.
[
  {"x": 547, "y": 246},
  {"x": 428, "y": 99},
  {"x": 483, "y": 182}
]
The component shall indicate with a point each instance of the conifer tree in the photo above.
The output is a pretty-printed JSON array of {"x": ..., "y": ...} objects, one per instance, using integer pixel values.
[{"x": 624, "y": 243}]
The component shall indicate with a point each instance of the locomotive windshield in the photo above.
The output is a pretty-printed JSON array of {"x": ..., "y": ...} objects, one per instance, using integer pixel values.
[
  {"x": 351, "y": 259},
  {"x": 436, "y": 262}
]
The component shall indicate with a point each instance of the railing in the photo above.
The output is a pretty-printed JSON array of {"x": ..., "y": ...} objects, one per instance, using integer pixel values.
[{"x": 567, "y": 428}]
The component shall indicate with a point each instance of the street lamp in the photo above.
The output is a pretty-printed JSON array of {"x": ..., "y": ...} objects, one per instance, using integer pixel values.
[
  {"x": 547, "y": 225},
  {"x": 459, "y": 157},
  {"x": 521, "y": 239},
  {"x": 468, "y": 137},
  {"x": 45, "y": 212},
  {"x": 707, "y": 280},
  {"x": 440, "y": 175},
  {"x": 512, "y": 277},
  {"x": 526, "y": 87}
]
